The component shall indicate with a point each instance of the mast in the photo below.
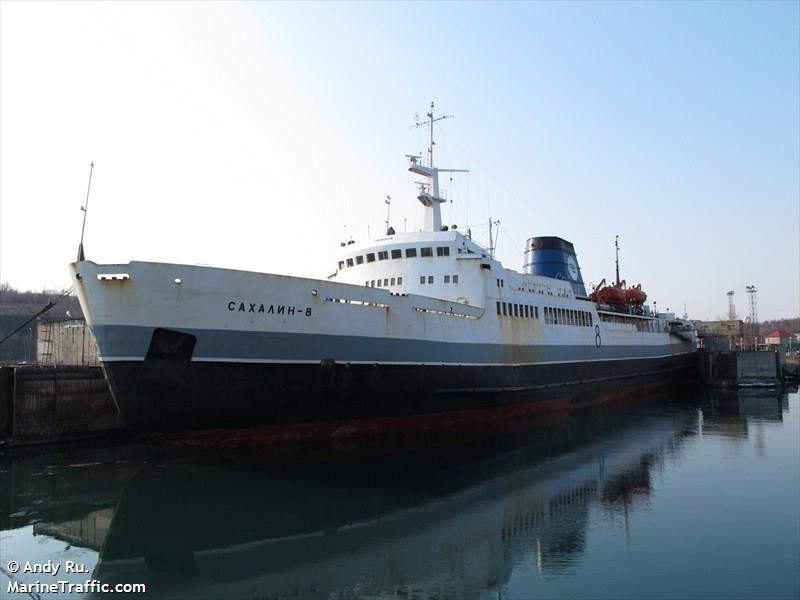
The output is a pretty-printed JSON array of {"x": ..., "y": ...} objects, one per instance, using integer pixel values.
[
  {"x": 428, "y": 193},
  {"x": 85, "y": 209},
  {"x": 616, "y": 248}
]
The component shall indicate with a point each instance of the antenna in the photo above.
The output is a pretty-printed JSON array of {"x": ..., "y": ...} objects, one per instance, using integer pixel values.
[
  {"x": 388, "y": 202},
  {"x": 429, "y": 124},
  {"x": 616, "y": 249},
  {"x": 85, "y": 209},
  {"x": 491, "y": 239}
]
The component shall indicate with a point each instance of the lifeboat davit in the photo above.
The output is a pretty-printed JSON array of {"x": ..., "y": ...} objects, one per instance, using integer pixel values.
[
  {"x": 635, "y": 296},
  {"x": 613, "y": 295}
]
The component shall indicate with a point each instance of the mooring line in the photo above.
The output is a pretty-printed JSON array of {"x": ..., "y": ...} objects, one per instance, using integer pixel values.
[{"x": 41, "y": 312}]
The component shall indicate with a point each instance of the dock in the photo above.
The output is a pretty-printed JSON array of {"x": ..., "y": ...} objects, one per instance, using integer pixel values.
[{"x": 55, "y": 404}]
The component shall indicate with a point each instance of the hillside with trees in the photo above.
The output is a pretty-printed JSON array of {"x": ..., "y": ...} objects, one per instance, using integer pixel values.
[{"x": 17, "y": 307}]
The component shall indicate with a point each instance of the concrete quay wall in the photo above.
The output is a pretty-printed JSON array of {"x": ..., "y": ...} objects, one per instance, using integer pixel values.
[
  {"x": 740, "y": 369},
  {"x": 46, "y": 404}
]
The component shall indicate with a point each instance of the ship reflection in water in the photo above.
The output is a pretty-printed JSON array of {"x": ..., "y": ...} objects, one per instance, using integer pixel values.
[{"x": 608, "y": 502}]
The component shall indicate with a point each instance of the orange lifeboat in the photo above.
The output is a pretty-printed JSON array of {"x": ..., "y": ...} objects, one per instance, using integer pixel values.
[
  {"x": 613, "y": 295},
  {"x": 635, "y": 296}
]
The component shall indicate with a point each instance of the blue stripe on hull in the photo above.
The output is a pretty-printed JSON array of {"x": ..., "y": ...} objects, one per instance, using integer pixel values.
[{"x": 131, "y": 342}]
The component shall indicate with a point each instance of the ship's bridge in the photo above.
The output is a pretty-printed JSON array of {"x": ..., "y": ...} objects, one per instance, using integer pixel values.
[{"x": 444, "y": 264}]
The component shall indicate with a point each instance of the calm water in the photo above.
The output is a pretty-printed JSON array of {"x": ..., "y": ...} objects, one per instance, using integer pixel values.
[{"x": 694, "y": 495}]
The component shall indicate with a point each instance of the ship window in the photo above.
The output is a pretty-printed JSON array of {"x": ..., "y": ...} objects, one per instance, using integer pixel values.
[
  {"x": 430, "y": 278},
  {"x": 372, "y": 283},
  {"x": 590, "y": 320},
  {"x": 505, "y": 308},
  {"x": 371, "y": 257},
  {"x": 525, "y": 311},
  {"x": 442, "y": 251},
  {"x": 498, "y": 283},
  {"x": 378, "y": 283},
  {"x": 392, "y": 281},
  {"x": 426, "y": 251},
  {"x": 455, "y": 278},
  {"x": 359, "y": 260},
  {"x": 411, "y": 252},
  {"x": 341, "y": 264},
  {"x": 536, "y": 311},
  {"x": 383, "y": 255},
  {"x": 349, "y": 262},
  {"x": 399, "y": 281},
  {"x": 397, "y": 253},
  {"x": 386, "y": 282},
  {"x": 366, "y": 283},
  {"x": 447, "y": 278},
  {"x": 422, "y": 279},
  {"x": 517, "y": 310},
  {"x": 498, "y": 307}
]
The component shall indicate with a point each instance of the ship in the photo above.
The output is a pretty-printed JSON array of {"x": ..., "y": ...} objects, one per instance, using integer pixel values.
[{"x": 414, "y": 326}]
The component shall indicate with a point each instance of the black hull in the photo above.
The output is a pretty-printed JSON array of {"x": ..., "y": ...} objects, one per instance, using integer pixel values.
[{"x": 169, "y": 394}]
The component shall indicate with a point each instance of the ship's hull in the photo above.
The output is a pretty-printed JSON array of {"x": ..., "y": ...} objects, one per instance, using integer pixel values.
[
  {"x": 160, "y": 394},
  {"x": 188, "y": 347}
]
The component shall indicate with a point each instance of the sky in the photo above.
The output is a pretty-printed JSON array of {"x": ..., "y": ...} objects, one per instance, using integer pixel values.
[{"x": 258, "y": 136}]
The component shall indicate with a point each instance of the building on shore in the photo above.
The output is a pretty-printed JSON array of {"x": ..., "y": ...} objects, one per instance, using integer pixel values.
[
  {"x": 780, "y": 338},
  {"x": 719, "y": 336},
  {"x": 65, "y": 342}
]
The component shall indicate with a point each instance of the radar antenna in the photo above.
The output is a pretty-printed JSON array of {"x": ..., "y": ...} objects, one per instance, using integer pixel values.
[
  {"x": 428, "y": 193},
  {"x": 429, "y": 123}
]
